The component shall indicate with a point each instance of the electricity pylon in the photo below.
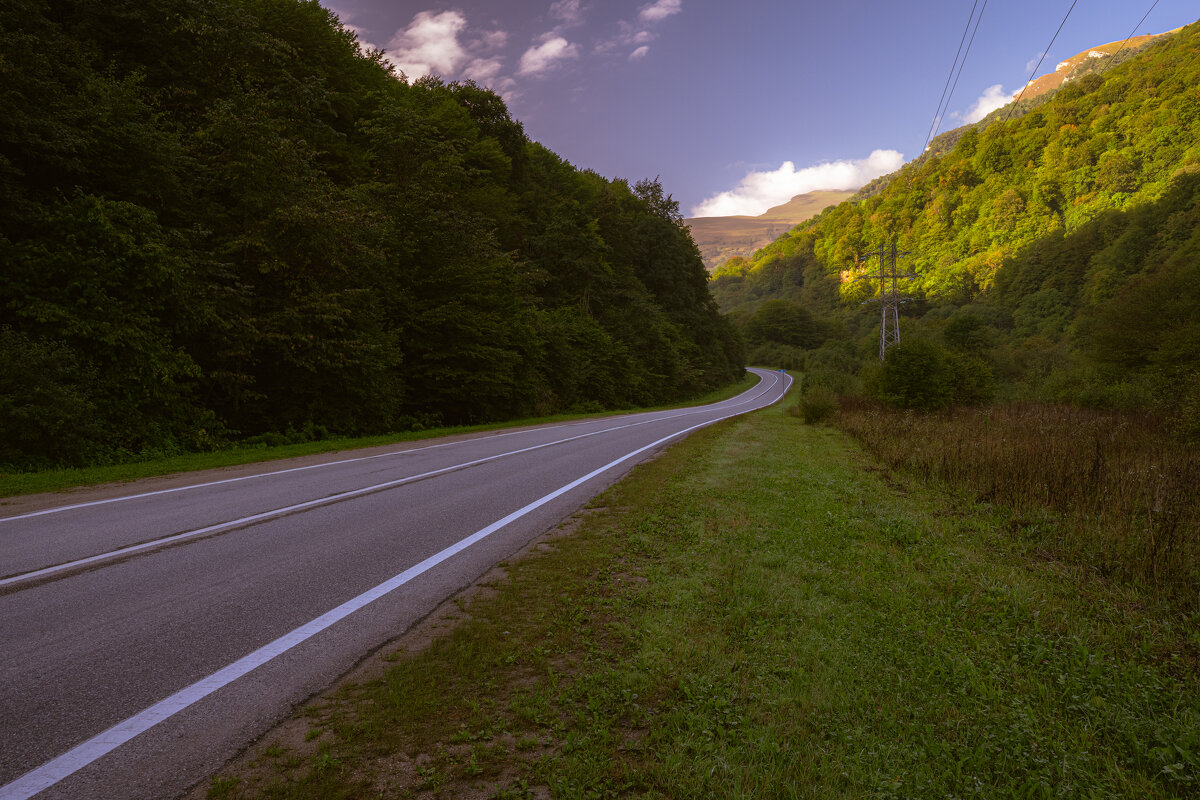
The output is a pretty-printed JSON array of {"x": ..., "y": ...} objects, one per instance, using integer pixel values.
[{"x": 889, "y": 296}]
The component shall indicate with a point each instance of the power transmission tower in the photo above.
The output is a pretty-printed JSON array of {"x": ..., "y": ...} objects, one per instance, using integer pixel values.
[{"x": 889, "y": 295}]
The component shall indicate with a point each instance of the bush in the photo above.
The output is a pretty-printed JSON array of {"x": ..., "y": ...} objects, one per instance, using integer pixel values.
[
  {"x": 916, "y": 374},
  {"x": 836, "y": 381},
  {"x": 817, "y": 404},
  {"x": 972, "y": 381}
]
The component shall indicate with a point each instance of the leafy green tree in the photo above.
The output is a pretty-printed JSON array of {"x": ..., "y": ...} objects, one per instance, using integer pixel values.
[
  {"x": 916, "y": 374},
  {"x": 226, "y": 220},
  {"x": 45, "y": 405},
  {"x": 968, "y": 333}
]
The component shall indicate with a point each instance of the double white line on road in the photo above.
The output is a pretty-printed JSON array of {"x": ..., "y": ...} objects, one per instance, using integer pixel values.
[{"x": 100, "y": 745}]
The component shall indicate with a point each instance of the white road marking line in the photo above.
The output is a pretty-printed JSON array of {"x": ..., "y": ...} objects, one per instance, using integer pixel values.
[
  {"x": 172, "y": 490},
  {"x": 153, "y": 544},
  {"x": 102, "y": 744}
]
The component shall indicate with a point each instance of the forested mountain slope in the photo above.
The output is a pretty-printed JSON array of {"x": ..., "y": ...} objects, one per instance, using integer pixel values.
[
  {"x": 218, "y": 218},
  {"x": 1068, "y": 234}
]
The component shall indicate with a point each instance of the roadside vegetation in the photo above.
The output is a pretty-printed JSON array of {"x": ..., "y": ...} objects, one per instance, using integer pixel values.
[
  {"x": 767, "y": 611},
  {"x": 293, "y": 444}
]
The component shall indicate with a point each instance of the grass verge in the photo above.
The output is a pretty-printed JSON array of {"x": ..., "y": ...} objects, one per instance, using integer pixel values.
[
  {"x": 17, "y": 483},
  {"x": 764, "y": 612}
]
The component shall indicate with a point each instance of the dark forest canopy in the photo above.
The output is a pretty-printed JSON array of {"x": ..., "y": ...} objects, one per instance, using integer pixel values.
[
  {"x": 218, "y": 218},
  {"x": 1064, "y": 240}
]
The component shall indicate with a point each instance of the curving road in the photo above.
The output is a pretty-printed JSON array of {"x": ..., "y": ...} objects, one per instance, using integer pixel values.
[{"x": 145, "y": 638}]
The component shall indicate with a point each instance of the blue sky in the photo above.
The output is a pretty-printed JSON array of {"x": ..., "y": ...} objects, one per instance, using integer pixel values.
[{"x": 736, "y": 103}]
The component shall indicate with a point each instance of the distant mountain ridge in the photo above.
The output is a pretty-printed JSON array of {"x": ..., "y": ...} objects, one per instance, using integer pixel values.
[{"x": 722, "y": 238}]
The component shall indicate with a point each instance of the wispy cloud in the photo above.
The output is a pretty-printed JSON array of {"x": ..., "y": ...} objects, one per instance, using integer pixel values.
[
  {"x": 1032, "y": 63},
  {"x": 993, "y": 97},
  {"x": 638, "y": 36},
  {"x": 491, "y": 40},
  {"x": 759, "y": 191},
  {"x": 568, "y": 12},
  {"x": 660, "y": 10},
  {"x": 545, "y": 56}
]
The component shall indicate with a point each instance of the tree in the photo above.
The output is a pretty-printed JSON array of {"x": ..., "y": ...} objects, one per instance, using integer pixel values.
[
  {"x": 916, "y": 374},
  {"x": 783, "y": 322}
]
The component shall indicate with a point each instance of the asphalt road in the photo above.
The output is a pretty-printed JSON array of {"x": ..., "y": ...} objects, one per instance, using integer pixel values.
[{"x": 146, "y": 638}]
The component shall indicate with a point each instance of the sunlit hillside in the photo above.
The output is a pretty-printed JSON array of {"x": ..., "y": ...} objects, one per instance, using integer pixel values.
[
  {"x": 1068, "y": 234},
  {"x": 1085, "y": 62}
]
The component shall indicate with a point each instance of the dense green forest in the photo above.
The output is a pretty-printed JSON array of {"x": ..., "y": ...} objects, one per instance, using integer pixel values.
[
  {"x": 1057, "y": 247},
  {"x": 220, "y": 219}
]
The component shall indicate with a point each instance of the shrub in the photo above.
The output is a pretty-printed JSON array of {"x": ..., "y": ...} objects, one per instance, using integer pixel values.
[
  {"x": 916, "y": 374},
  {"x": 972, "y": 381},
  {"x": 836, "y": 381},
  {"x": 817, "y": 404}
]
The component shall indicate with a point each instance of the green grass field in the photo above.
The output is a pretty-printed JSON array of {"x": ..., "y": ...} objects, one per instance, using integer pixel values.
[{"x": 764, "y": 612}]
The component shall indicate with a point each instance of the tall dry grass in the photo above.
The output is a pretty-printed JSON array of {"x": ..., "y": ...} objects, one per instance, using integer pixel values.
[{"x": 1124, "y": 496}]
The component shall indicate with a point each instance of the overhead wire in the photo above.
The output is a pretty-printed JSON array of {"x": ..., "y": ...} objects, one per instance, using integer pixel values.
[
  {"x": 1045, "y": 53},
  {"x": 937, "y": 115},
  {"x": 964, "y": 61},
  {"x": 1132, "y": 33}
]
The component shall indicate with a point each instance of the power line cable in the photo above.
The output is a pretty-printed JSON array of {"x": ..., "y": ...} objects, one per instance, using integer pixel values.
[
  {"x": 1132, "y": 33},
  {"x": 937, "y": 115},
  {"x": 1045, "y": 53},
  {"x": 964, "y": 61}
]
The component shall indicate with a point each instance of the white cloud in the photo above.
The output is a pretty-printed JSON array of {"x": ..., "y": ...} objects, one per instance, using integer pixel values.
[
  {"x": 429, "y": 44},
  {"x": 444, "y": 44},
  {"x": 1032, "y": 63},
  {"x": 660, "y": 9},
  {"x": 483, "y": 70},
  {"x": 759, "y": 191},
  {"x": 569, "y": 12},
  {"x": 544, "y": 56},
  {"x": 993, "y": 97},
  {"x": 639, "y": 53}
]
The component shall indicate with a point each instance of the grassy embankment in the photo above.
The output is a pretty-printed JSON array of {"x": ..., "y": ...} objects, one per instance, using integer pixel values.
[
  {"x": 16, "y": 483},
  {"x": 764, "y": 612}
]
